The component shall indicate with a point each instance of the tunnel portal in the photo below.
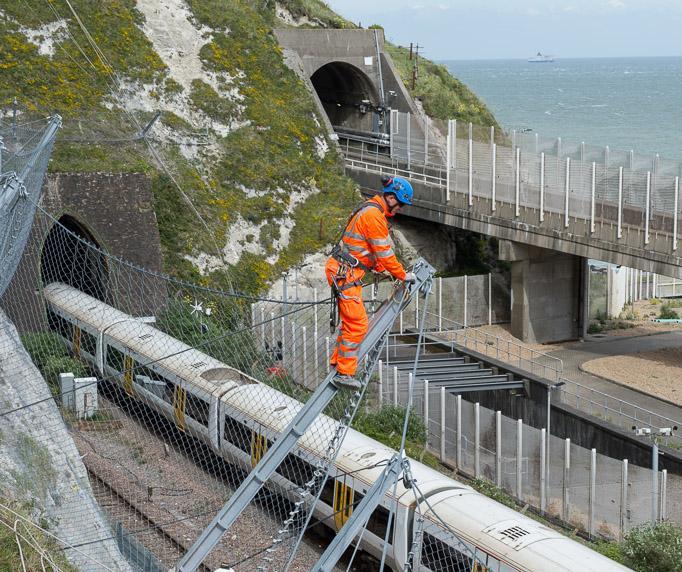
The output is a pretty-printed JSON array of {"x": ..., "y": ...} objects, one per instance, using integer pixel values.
[
  {"x": 348, "y": 96},
  {"x": 68, "y": 257}
]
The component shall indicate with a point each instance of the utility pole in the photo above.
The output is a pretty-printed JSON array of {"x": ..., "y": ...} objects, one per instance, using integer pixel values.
[{"x": 415, "y": 65}]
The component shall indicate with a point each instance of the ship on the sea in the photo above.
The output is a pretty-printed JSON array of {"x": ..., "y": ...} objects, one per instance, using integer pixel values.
[{"x": 541, "y": 58}]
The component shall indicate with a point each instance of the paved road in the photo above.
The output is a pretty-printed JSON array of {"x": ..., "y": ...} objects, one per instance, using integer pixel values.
[{"x": 577, "y": 353}]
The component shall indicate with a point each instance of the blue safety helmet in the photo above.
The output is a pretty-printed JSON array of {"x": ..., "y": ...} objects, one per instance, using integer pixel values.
[{"x": 400, "y": 187}]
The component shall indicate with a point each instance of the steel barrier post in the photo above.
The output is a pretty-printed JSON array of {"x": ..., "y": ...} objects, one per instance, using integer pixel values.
[
  {"x": 594, "y": 183},
  {"x": 465, "y": 300},
  {"x": 305, "y": 356},
  {"x": 620, "y": 202},
  {"x": 517, "y": 183},
  {"x": 381, "y": 382},
  {"x": 477, "y": 440},
  {"x": 663, "y": 512},
  {"x": 326, "y": 344},
  {"x": 440, "y": 304},
  {"x": 426, "y": 408},
  {"x": 568, "y": 188},
  {"x": 623, "y": 499},
  {"x": 442, "y": 423},
  {"x": 493, "y": 176},
  {"x": 459, "y": 433},
  {"x": 543, "y": 480},
  {"x": 395, "y": 385},
  {"x": 471, "y": 167},
  {"x": 498, "y": 449},
  {"x": 593, "y": 491},
  {"x": 648, "y": 207},
  {"x": 542, "y": 187},
  {"x": 448, "y": 161},
  {"x": 490, "y": 298},
  {"x": 316, "y": 352},
  {"x": 675, "y": 215},
  {"x": 567, "y": 469},
  {"x": 519, "y": 458}
]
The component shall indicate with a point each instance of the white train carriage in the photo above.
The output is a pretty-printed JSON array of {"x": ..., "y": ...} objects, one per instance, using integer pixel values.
[{"x": 239, "y": 418}]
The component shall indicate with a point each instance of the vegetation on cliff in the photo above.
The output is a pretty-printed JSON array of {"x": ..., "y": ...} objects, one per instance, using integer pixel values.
[{"x": 242, "y": 138}]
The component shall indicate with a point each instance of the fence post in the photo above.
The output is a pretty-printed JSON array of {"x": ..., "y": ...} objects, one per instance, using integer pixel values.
[
  {"x": 663, "y": 513},
  {"x": 395, "y": 385},
  {"x": 283, "y": 310},
  {"x": 408, "y": 134},
  {"x": 416, "y": 312},
  {"x": 498, "y": 449},
  {"x": 442, "y": 423},
  {"x": 594, "y": 184},
  {"x": 568, "y": 188},
  {"x": 490, "y": 298},
  {"x": 448, "y": 161},
  {"x": 677, "y": 196},
  {"x": 316, "y": 333},
  {"x": 477, "y": 440},
  {"x": 326, "y": 344},
  {"x": 426, "y": 409},
  {"x": 465, "y": 300},
  {"x": 458, "y": 442},
  {"x": 593, "y": 490},
  {"x": 620, "y": 202},
  {"x": 567, "y": 468},
  {"x": 262, "y": 326},
  {"x": 493, "y": 175},
  {"x": 272, "y": 330},
  {"x": 400, "y": 320},
  {"x": 542, "y": 186},
  {"x": 519, "y": 458},
  {"x": 623, "y": 498},
  {"x": 543, "y": 485},
  {"x": 517, "y": 183},
  {"x": 305, "y": 356},
  {"x": 426, "y": 139},
  {"x": 293, "y": 348},
  {"x": 648, "y": 207},
  {"x": 440, "y": 304},
  {"x": 381, "y": 382},
  {"x": 471, "y": 166}
]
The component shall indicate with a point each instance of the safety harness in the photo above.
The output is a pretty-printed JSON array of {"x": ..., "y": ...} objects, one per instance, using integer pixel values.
[{"x": 346, "y": 261}]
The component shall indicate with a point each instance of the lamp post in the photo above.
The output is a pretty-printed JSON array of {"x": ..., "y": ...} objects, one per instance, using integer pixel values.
[
  {"x": 654, "y": 434},
  {"x": 550, "y": 387}
]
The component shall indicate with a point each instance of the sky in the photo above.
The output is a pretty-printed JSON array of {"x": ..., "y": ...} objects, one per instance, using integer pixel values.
[{"x": 506, "y": 29}]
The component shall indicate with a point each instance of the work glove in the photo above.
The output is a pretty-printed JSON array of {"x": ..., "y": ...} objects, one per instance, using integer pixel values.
[{"x": 410, "y": 278}]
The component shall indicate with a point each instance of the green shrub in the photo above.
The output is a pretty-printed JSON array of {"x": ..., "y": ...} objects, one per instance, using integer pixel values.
[
  {"x": 654, "y": 301},
  {"x": 667, "y": 313},
  {"x": 595, "y": 328},
  {"x": 654, "y": 548}
]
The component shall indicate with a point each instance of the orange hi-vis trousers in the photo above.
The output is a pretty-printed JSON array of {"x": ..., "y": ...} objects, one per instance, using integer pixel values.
[{"x": 352, "y": 316}]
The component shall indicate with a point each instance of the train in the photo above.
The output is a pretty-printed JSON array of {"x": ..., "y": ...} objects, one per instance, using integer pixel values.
[{"x": 238, "y": 417}]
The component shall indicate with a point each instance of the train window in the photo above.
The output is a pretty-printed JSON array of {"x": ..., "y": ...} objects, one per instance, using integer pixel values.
[
  {"x": 238, "y": 434},
  {"x": 59, "y": 325},
  {"x": 441, "y": 557},
  {"x": 296, "y": 470},
  {"x": 378, "y": 522},
  {"x": 115, "y": 358},
  {"x": 197, "y": 409},
  {"x": 88, "y": 343}
]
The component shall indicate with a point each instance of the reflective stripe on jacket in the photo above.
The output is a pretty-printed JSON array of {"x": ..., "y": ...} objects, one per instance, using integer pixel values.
[{"x": 366, "y": 237}]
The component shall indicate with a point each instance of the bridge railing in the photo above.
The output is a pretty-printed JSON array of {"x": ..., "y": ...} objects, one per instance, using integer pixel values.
[{"x": 607, "y": 192}]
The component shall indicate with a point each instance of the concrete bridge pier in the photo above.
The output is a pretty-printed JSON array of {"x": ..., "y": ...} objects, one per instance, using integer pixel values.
[{"x": 547, "y": 293}]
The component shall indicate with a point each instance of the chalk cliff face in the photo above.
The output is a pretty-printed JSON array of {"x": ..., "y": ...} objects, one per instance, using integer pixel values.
[{"x": 40, "y": 466}]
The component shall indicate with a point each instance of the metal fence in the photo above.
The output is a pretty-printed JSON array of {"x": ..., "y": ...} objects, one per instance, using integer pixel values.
[
  {"x": 603, "y": 496},
  {"x": 574, "y": 181}
]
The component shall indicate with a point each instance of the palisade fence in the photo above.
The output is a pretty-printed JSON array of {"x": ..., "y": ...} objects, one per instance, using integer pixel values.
[
  {"x": 597, "y": 494},
  {"x": 603, "y": 496}
]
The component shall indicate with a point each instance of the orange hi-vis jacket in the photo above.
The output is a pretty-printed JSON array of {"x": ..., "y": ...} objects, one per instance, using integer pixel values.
[{"x": 366, "y": 238}]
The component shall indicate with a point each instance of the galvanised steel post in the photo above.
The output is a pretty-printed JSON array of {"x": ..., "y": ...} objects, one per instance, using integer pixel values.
[
  {"x": 623, "y": 499},
  {"x": 654, "y": 481},
  {"x": 543, "y": 470},
  {"x": 519, "y": 458},
  {"x": 498, "y": 449},
  {"x": 477, "y": 440}
]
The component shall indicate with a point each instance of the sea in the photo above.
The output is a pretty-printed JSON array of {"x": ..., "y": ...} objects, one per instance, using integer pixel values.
[{"x": 625, "y": 103}]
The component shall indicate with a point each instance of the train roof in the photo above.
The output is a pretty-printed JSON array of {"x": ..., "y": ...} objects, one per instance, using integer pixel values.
[
  {"x": 161, "y": 349},
  {"x": 527, "y": 543}
]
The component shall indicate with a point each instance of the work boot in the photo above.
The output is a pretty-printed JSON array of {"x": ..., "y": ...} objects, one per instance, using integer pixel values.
[{"x": 343, "y": 381}]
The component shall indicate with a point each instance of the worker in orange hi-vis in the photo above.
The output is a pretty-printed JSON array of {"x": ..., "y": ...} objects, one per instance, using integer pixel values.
[{"x": 364, "y": 247}]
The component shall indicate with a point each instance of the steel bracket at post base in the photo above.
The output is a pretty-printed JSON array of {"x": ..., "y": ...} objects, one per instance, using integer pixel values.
[{"x": 379, "y": 324}]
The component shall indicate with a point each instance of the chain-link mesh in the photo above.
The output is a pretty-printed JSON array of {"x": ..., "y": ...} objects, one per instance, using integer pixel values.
[{"x": 24, "y": 152}]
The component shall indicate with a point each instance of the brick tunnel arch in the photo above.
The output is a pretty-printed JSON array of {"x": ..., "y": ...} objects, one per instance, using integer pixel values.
[
  {"x": 67, "y": 259},
  {"x": 348, "y": 96}
]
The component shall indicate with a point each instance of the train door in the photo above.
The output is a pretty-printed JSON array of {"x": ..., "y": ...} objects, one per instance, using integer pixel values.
[
  {"x": 343, "y": 500},
  {"x": 259, "y": 445},
  {"x": 128, "y": 367},
  {"x": 179, "y": 403}
]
